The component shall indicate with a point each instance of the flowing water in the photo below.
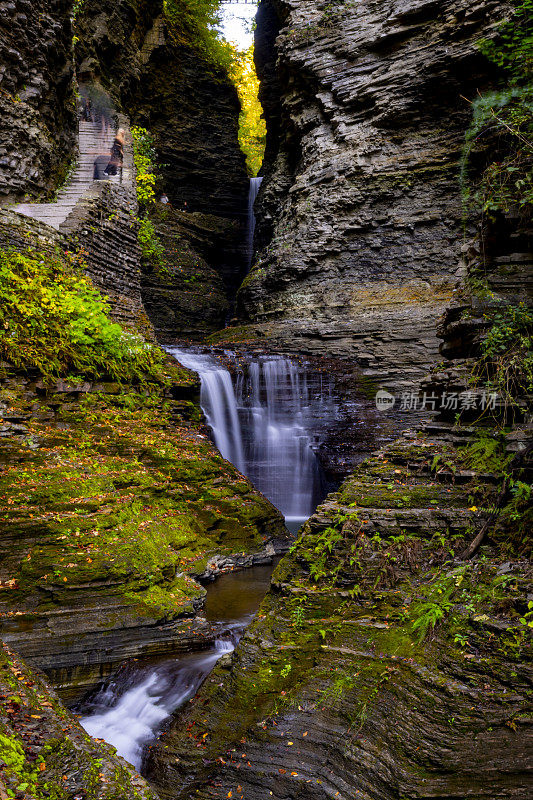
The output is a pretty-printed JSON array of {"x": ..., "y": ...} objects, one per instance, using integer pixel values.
[
  {"x": 128, "y": 710},
  {"x": 262, "y": 418},
  {"x": 255, "y": 184},
  {"x": 262, "y": 421}
]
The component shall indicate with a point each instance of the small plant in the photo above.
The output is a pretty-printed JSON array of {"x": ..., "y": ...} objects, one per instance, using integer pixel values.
[
  {"x": 53, "y": 319},
  {"x": 151, "y": 248},
  {"x": 507, "y": 353},
  {"x": 527, "y": 619},
  {"x": 144, "y": 157}
]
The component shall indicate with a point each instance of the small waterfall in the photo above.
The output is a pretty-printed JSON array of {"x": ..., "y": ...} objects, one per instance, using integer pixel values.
[
  {"x": 264, "y": 426},
  {"x": 255, "y": 184},
  {"x": 219, "y": 405},
  {"x": 130, "y": 708},
  {"x": 129, "y": 720}
]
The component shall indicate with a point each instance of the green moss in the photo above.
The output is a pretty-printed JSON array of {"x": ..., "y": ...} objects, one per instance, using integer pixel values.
[
  {"x": 121, "y": 492},
  {"x": 54, "y": 320}
]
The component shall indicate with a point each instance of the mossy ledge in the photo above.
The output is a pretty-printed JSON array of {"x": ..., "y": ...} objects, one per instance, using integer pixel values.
[
  {"x": 381, "y": 665},
  {"x": 115, "y": 499}
]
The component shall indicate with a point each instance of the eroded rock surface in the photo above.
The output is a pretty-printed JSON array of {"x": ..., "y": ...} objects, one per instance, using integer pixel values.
[
  {"x": 44, "y": 750},
  {"x": 37, "y": 106},
  {"x": 360, "y": 217},
  {"x": 114, "y": 500},
  {"x": 343, "y": 687}
]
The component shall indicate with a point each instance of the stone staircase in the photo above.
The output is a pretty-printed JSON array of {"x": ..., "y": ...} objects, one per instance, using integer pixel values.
[{"x": 94, "y": 143}]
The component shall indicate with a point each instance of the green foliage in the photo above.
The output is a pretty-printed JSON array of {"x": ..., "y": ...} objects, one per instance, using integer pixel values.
[
  {"x": 512, "y": 49},
  {"x": 15, "y": 763},
  {"x": 145, "y": 158},
  {"x": 196, "y": 23},
  {"x": 505, "y": 118},
  {"x": 252, "y": 127},
  {"x": 527, "y": 619},
  {"x": 151, "y": 247},
  {"x": 53, "y": 319},
  {"x": 485, "y": 454},
  {"x": 437, "y": 604},
  {"x": 507, "y": 352}
]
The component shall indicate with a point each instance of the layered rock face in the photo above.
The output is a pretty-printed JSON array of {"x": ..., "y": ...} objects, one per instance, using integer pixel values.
[
  {"x": 113, "y": 42},
  {"x": 114, "y": 499},
  {"x": 360, "y": 227},
  {"x": 192, "y": 111},
  {"x": 156, "y": 67},
  {"x": 37, "y": 105},
  {"x": 182, "y": 293}
]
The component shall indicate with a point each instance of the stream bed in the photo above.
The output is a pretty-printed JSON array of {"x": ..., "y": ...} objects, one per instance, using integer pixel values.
[
  {"x": 265, "y": 416},
  {"x": 128, "y": 710}
]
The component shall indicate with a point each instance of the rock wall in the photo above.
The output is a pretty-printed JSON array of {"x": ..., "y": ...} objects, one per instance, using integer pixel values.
[
  {"x": 385, "y": 662},
  {"x": 192, "y": 112},
  {"x": 37, "y": 106},
  {"x": 360, "y": 215},
  {"x": 113, "y": 42},
  {"x": 183, "y": 295},
  {"x": 104, "y": 227}
]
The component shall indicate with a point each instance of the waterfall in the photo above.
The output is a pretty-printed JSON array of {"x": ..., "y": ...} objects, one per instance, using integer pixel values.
[
  {"x": 130, "y": 720},
  {"x": 219, "y": 405},
  {"x": 255, "y": 183},
  {"x": 264, "y": 425}
]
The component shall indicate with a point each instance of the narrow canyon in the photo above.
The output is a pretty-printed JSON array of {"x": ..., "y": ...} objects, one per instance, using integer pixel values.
[{"x": 266, "y": 335}]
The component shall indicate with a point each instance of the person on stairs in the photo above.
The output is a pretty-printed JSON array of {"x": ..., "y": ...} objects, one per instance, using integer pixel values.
[{"x": 117, "y": 154}]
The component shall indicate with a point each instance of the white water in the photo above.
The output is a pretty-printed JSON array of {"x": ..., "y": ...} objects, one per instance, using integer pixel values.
[
  {"x": 263, "y": 425},
  {"x": 255, "y": 184},
  {"x": 129, "y": 709},
  {"x": 218, "y": 402},
  {"x": 129, "y": 723}
]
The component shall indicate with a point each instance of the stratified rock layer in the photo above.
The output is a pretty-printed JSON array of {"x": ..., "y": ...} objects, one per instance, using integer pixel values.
[
  {"x": 113, "y": 499},
  {"x": 183, "y": 294},
  {"x": 381, "y": 666},
  {"x": 360, "y": 213},
  {"x": 37, "y": 106}
]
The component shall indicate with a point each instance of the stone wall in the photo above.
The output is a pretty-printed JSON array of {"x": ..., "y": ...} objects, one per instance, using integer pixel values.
[
  {"x": 104, "y": 226},
  {"x": 360, "y": 226},
  {"x": 37, "y": 106},
  {"x": 183, "y": 295},
  {"x": 112, "y": 39}
]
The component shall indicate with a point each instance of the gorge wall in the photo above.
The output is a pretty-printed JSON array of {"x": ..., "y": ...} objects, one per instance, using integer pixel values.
[
  {"x": 155, "y": 64},
  {"x": 360, "y": 222},
  {"x": 37, "y": 104}
]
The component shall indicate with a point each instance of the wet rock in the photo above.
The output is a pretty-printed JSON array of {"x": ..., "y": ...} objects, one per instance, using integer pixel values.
[{"x": 36, "y": 97}]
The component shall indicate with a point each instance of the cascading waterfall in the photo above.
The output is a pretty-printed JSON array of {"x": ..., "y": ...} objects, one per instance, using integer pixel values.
[
  {"x": 255, "y": 184},
  {"x": 262, "y": 422},
  {"x": 264, "y": 426}
]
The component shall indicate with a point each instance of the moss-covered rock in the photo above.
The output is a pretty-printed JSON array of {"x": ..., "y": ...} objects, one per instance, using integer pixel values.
[
  {"x": 381, "y": 665},
  {"x": 115, "y": 498}
]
